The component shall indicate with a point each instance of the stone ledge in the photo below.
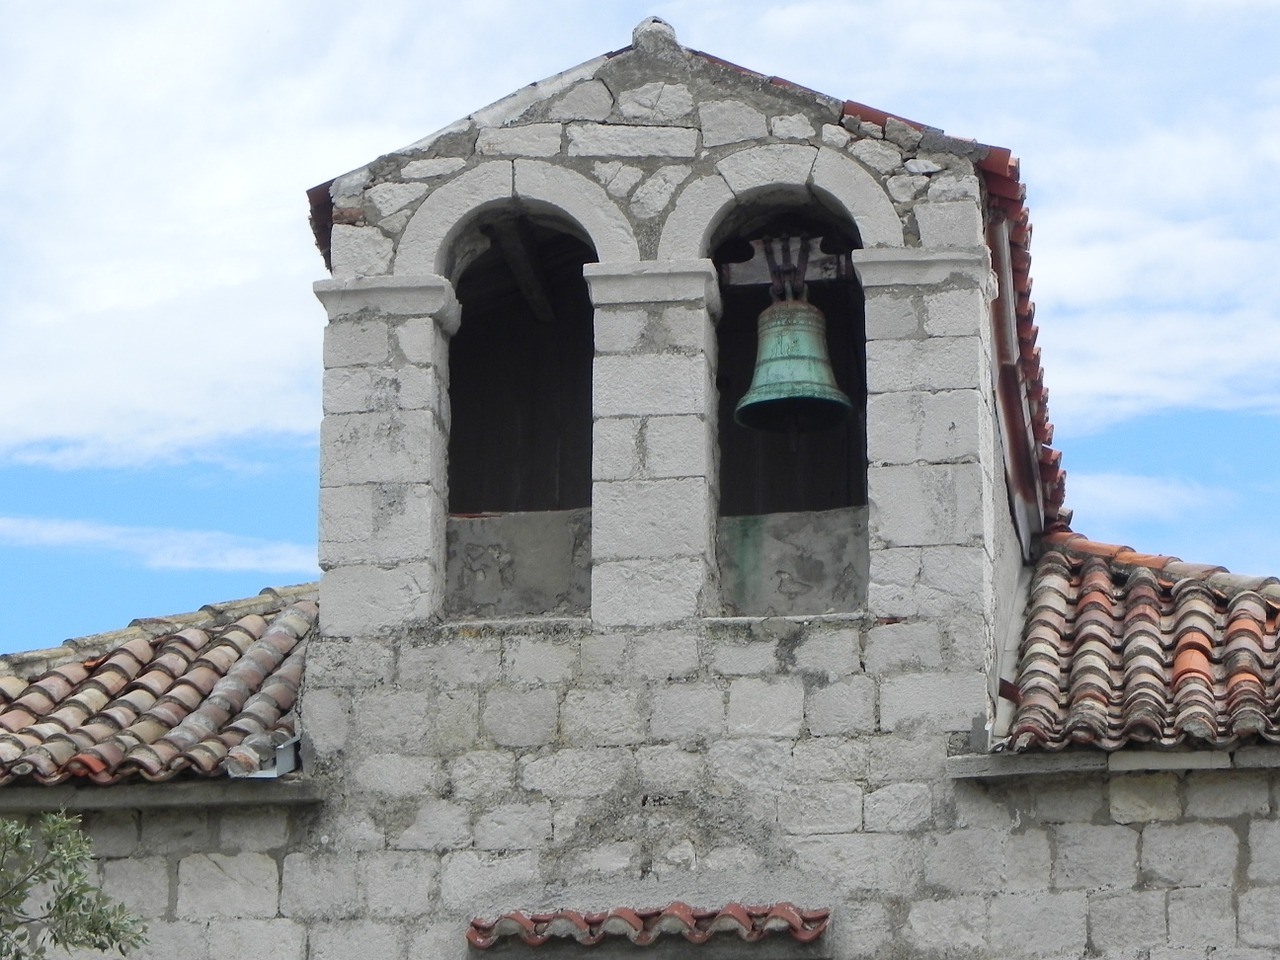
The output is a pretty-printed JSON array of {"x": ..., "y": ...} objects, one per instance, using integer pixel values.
[
  {"x": 901, "y": 266},
  {"x": 992, "y": 766},
  {"x": 160, "y": 796}
]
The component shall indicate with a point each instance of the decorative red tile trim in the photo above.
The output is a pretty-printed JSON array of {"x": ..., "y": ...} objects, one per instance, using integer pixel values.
[{"x": 643, "y": 927}]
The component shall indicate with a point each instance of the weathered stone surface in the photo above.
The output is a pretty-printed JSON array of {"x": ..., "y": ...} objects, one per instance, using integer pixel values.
[
  {"x": 1048, "y": 924},
  {"x": 1189, "y": 854},
  {"x": 946, "y": 701},
  {"x": 656, "y": 192},
  {"x": 730, "y": 121},
  {"x": 863, "y": 863},
  {"x": 846, "y": 707},
  {"x": 656, "y": 102},
  {"x": 1137, "y": 798},
  {"x": 521, "y": 718},
  {"x": 440, "y": 825},
  {"x": 529, "y": 140},
  {"x": 426, "y": 169},
  {"x": 794, "y": 126},
  {"x": 1227, "y": 794},
  {"x": 898, "y": 808},
  {"x": 618, "y": 140},
  {"x": 217, "y": 885},
  {"x": 765, "y": 708},
  {"x": 944, "y": 926},
  {"x": 589, "y": 100},
  {"x": 1095, "y": 857},
  {"x": 514, "y": 826},
  {"x": 685, "y": 712},
  {"x": 575, "y": 773},
  {"x": 821, "y": 808}
]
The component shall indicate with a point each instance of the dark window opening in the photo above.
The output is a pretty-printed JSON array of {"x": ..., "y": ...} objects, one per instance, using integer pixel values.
[
  {"x": 520, "y": 374},
  {"x": 763, "y": 473}
]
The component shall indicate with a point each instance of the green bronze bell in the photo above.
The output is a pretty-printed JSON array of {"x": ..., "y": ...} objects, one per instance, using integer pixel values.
[{"x": 793, "y": 388}]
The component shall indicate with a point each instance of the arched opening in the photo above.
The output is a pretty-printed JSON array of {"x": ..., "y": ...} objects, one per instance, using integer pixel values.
[
  {"x": 520, "y": 433},
  {"x": 793, "y": 503}
]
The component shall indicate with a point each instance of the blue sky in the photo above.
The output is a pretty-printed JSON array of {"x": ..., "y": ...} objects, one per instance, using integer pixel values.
[{"x": 160, "y": 346}]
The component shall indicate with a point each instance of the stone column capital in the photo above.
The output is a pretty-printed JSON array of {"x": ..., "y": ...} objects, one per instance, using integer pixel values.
[
  {"x": 396, "y": 296},
  {"x": 654, "y": 281}
]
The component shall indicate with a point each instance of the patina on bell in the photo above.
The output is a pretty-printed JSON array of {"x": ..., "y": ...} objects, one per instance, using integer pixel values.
[{"x": 793, "y": 388}]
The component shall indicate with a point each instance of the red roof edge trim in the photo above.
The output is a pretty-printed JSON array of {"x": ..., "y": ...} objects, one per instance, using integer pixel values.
[{"x": 643, "y": 926}]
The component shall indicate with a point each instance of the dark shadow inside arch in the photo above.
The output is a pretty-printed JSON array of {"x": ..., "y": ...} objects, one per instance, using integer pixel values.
[
  {"x": 520, "y": 433},
  {"x": 792, "y": 535}
]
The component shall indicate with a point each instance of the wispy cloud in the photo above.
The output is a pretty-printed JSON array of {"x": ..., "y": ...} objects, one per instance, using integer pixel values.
[
  {"x": 160, "y": 548},
  {"x": 1107, "y": 497}
]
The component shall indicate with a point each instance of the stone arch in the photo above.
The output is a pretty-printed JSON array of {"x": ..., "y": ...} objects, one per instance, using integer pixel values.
[
  {"x": 425, "y": 247},
  {"x": 787, "y": 172}
]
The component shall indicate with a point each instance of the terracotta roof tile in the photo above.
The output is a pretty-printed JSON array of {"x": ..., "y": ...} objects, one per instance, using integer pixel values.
[
  {"x": 1122, "y": 647},
  {"x": 643, "y": 927},
  {"x": 212, "y": 694}
]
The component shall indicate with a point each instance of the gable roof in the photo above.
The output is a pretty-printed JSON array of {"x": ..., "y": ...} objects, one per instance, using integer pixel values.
[
  {"x": 1121, "y": 647},
  {"x": 210, "y": 693},
  {"x": 1034, "y": 468}
]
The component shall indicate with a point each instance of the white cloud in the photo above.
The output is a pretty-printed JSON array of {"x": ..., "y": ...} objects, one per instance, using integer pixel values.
[
  {"x": 1108, "y": 497},
  {"x": 160, "y": 548}
]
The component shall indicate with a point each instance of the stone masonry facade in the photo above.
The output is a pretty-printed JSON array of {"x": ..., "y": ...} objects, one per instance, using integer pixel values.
[{"x": 657, "y": 750}]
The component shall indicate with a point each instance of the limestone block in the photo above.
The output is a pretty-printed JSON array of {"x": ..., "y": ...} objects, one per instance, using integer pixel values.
[
  {"x": 166, "y": 940},
  {"x": 879, "y": 155},
  {"x": 766, "y": 708},
  {"x": 619, "y": 330},
  {"x": 834, "y": 135},
  {"x": 602, "y": 655},
  {"x": 646, "y": 592},
  {"x": 794, "y": 126},
  {"x": 1142, "y": 797},
  {"x": 620, "y": 140},
  {"x": 175, "y": 831},
  {"x": 1071, "y": 800},
  {"x": 669, "y": 768},
  {"x": 346, "y": 939},
  {"x": 440, "y": 826},
  {"x": 774, "y": 171},
  {"x": 395, "y": 775},
  {"x": 399, "y": 884},
  {"x": 114, "y": 832},
  {"x": 940, "y": 701},
  {"x": 365, "y": 599},
  {"x": 254, "y": 830},
  {"x": 686, "y": 232},
  {"x": 665, "y": 655},
  {"x": 328, "y": 714},
  {"x": 387, "y": 198},
  {"x": 355, "y": 390},
  {"x": 898, "y": 808},
  {"x": 890, "y": 317},
  {"x": 1027, "y": 861},
  {"x": 908, "y": 757},
  {"x": 878, "y": 863},
  {"x": 950, "y": 223},
  {"x": 902, "y": 133},
  {"x": 956, "y": 313},
  {"x": 584, "y": 202},
  {"x": 1214, "y": 795},
  {"x": 589, "y": 100},
  {"x": 833, "y": 654},
  {"x": 245, "y": 938},
  {"x": 480, "y": 774},
  {"x": 648, "y": 282},
  {"x": 909, "y": 426},
  {"x": 351, "y": 342},
  {"x": 380, "y": 523},
  {"x": 1189, "y": 854},
  {"x": 1131, "y": 919},
  {"x": 821, "y": 759},
  {"x": 421, "y": 340},
  {"x": 218, "y": 886},
  {"x": 687, "y": 329},
  {"x": 821, "y": 808},
  {"x": 576, "y": 773},
  {"x": 457, "y": 661},
  {"x": 1260, "y": 917},
  {"x": 349, "y": 188},
  {"x": 892, "y": 647},
  {"x": 618, "y": 178},
  {"x": 651, "y": 385},
  {"x": 359, "y": 251},
  {"x": 403, "y": 446},
  {"x": 651, "y": 518},
  {"x": 730, "y": 121},
  {"x": 925, "y": 504},
  {"x": 606, "y": 718},
  {"x": 842, "y": 708},
  {"x": 904, "y": 188},
  {"x": 677, "y": 447},
  {"x": 756, "y": 765},
  {"x": 514, "y": 826},
  {"x": 1095, "y": 857},
  {"x": 656, "y": 192},
  {"x": 140, "y": 883},
  {"x": 959, "y": 572},
  {"x": 422, "y": 245},
  {"x": 343, "y": 662},
  {"x": 457, "y": 718},
  {"x": 685, "y": 712},
  {"x": 393, "y": 721},
  {"x": 656, "y": 102},
  {"x": 939, "y": 363},
  {"x": 520, "y": 718},
  {"x": 944, "y": 926},
  {"x": 953, "y": 187},
  {"x": 1201, "y": 917},
  {"x": 964, "y": 861},
  {"x": 435, "y": 167},
  {"x": 617, "y": 857},
  {"x": 1043, "y": 924},
  {"x": 732, "y": 659},
  {"x": 528, "y": 140}
]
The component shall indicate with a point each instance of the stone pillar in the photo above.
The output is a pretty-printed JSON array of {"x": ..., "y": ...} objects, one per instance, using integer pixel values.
[
  {"x": 654, "y": 490},
  {"x": 384, "y": 451},
  {"x": 935, "y": 477}
]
